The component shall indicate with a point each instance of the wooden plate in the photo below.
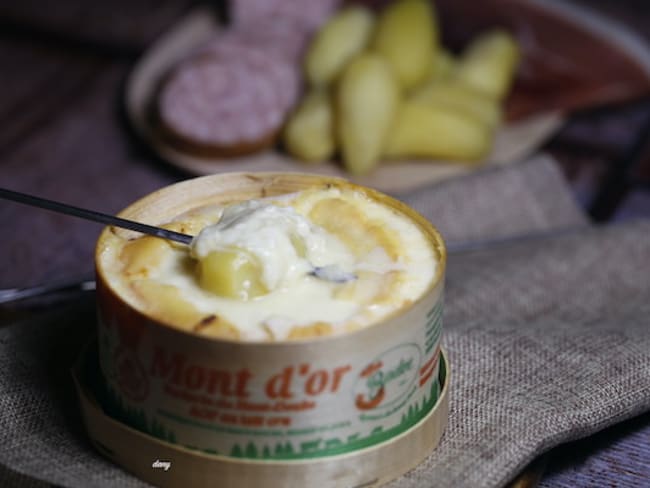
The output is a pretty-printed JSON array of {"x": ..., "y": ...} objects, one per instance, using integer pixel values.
[{"x": 514, "y": 141}]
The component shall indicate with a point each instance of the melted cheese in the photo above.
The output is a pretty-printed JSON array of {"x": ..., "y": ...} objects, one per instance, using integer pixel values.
[{"x": 389, "y": 255}]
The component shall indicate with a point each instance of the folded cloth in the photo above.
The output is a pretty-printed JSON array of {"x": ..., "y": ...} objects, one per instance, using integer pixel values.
[
  {"x": 548, "y": 341},
  {"x": 499, "y": 202}
]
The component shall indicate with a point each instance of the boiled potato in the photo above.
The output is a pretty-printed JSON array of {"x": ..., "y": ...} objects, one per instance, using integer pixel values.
[
  {"x": 489, "y": 63},
  {"x": 166, "y": 302},
  {"x": 143, "y": 255},
  {"x": 309, "y": 132},
  {"x": 460, "y": 97},
  {"x": 366, "y": 102},
  {"x": 343, "y": 36},
  {"x": 424, "y": 131},
  {"x": 407, "y": 36},
  {"x": 231, "y": 273}
]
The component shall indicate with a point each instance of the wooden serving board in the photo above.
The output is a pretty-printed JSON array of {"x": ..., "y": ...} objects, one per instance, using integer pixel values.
[{"x": 515, "y": 141}]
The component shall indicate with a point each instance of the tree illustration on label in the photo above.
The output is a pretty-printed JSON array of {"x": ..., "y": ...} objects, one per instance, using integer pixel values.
[
  {"x": 283, "y": 449},
  {"x": 251, "y": 451},
  {"x": 310, "y": 446}
]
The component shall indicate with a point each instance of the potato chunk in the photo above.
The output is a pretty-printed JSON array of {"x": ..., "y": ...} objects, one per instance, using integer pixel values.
[
  {"x": 407, "y": 36},
  {"x": 309, "y": 133},
  {"x": 231, "y": 273},
  {"x": 423, "y": 131},
  {"x": 463, "y": 98},
  {"x": 489, "y": 63},
  {"x": 367, "y": 98},
  {"x": 343, "y": 36}
]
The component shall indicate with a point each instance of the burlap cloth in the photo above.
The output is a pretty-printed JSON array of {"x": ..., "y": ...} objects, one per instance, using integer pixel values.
[{"x": 548, "y": 339}]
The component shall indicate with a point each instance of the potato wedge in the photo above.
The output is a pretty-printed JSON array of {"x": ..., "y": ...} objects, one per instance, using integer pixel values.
[
  {"x": 422, "y": 131},
  {"x": 343, "y": 36},
  {"x": 489, "y": 63},
  {"x": 367, "y": 98},
  {"x": 407, "y": 36},
  {"x": 309, "y": 132},
  {"x": 461, "y": 97},
  {"x": 231, "y": 273}
]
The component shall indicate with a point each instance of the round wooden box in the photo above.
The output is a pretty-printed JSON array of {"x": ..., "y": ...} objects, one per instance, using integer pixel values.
[{"x": 343, "y": 409}]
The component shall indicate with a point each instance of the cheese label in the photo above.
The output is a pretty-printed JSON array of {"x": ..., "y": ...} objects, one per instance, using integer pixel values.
[{"x": 272, "y": 401}]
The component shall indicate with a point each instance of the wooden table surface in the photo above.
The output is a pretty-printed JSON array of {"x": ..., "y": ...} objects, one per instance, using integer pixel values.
[{"x": 63, "y": 137}]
